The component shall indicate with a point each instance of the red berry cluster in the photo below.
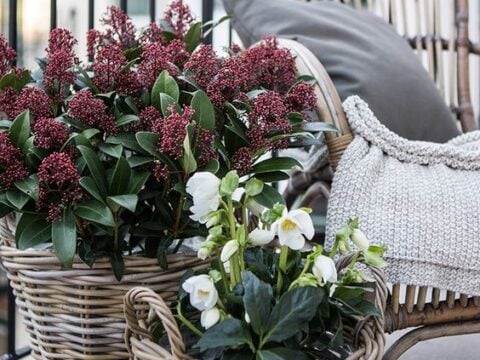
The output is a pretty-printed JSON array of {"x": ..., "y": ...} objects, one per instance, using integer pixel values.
[{"x": 12, "y": 167}]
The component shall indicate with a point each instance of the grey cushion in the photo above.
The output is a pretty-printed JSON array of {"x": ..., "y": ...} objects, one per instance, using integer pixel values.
[{"x": 363, "y": 55}]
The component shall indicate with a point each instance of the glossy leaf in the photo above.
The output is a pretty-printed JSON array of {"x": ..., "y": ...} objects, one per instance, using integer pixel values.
[
  {"x": 31, "y": 231},
  {"x": 64, "y": 237},
  {"x": 165, "y": 102},
  {"x": 128, "y": 140},
  {"x": 112, "y": 150},
  {"x": 17, "y": 198},
  {"x": 89, "y": 185},
  {"x": 120, "y": 177},
  {"x": 257, "y": 300},
  {"x": 269, "y": 197},
  {"x": 29, "y": 186},
  {"x": 20, "y": 129},
  {"x": 275, "y": 164},
  {"x": 137, "y": 181},
  {"x": 97, "y": 172},
  {"x": 230, "y": 332},
  {"x": 128, "y": 202},
  {"x": 204, "y": 113},
  {"x": 127, "y": 119},
  {"x": 166, "y": 84},
  {"x": 294, "y": 309},
  {"x": 193, "y": 37},
  {"x": 118, "y": 265},
  {"x": 281, "y": 354},
  {"x": 95, "y": 211}
]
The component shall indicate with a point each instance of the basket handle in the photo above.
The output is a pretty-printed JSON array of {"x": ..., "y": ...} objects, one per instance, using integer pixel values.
[
  {"x": 329, "y": 106},
  {"x": 138, "y": 329}
]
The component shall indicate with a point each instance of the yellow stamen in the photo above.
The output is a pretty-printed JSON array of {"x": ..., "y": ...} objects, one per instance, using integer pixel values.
[
  {"x": 288, "y": 225},
  {"x": 203, "y": 293}
]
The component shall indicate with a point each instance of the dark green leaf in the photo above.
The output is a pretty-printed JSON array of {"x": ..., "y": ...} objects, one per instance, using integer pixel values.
[
  {"x": 193, "y": 37},
  {"x": 32, "y": 230},
  {"x": 230, "y": 332},
  {"x": 137, "y": 181},
  {"x": 89, "y": 185},
  {"x": 204, "y": 112},
  {"x": 281, "y": 354},
  {"x": 95, "y": 167},
  {"x": 257, "y": 300},
  {"x": 118, "y": 265},
  {"x": 135, "y": 161},
  {"x": 273, "y": 176},
  {"x": 269, "y": 197},
  {"x": 89, "y": 133},
  {"x": 20, "y": 129},
  {"x": 128, "y": 140},
  {"x": 29, "y": 186},
  {"x": 188, "y": 159},
  {"x": 165, "y": 102},
  {"x": 212, "y": 166},
  {"x": 64, "y": 237},
  {"x": 95, "y": 211},
  {"x": 162, "y": 256},
  {"x": 275, "y": 164},
  {"x": 17, "y": 198},
  {"x": 166, "y": 84},
  {"x": 85, "y": 78},
  {"x": 114, "y": 151},
  {"x": 127, "y": 119},
  {"x": 128, "y": 202},
  {"x": 294, "y": 309},
  {"x": 149, "y": 142},
  {"x": 120, "y": 177}
]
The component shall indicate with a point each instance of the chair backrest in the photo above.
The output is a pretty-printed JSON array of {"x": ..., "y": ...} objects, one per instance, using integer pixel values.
[{"x": 438, "y": 31}]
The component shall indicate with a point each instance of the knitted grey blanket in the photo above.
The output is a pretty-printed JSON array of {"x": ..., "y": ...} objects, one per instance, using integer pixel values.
[{"x": 420, "y": 199}]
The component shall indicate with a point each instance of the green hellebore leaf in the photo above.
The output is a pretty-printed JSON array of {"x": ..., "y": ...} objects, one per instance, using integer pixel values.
[
  {"x": 229, "y": 183},
  {"x": 229, "y": 333},
  {"x": 275, "y": 164},
  {"x": 253, "y": 187},
  {"x": 257, "y": 300}
]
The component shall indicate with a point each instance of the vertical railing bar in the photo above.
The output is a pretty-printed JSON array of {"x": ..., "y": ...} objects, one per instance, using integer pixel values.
[
  {"x": 91, "y": 14},
  {"x": 124, "y": 5},
  {"x": 53, "y": 14},
  {"x": 151, "y": 8},
  {"x": 12, "y": 26},
  {"x": 207, "y": 15}
]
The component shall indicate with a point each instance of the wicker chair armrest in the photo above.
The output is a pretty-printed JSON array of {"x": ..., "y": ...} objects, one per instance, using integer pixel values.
[{"x": 137, "y": 336}]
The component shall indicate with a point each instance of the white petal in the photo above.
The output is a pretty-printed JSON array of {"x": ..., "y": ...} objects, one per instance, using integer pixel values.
[
  {"x": 324, "y": 270},
  {"x": 259, "y": 237},
  {"x": 305, "y": 221},
  {"x": 230, "y": 248},
  {"x": 294, "y": 243},
  {"x": 209, "y": 317},
  {"x": 203, "y": 182},
  {"x": 237, "y": 194},
  {"x": 359, "y": 238},
  {"x": 203, "y": 253}
]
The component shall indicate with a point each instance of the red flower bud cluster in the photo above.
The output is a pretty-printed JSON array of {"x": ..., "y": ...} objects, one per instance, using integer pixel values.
[
  {"x": 119, "y": 30},
  {"x": 92, "y": 112},
  {"x": 12, "y": 168},
  {"x": 8, "y": 99},
  {"x": 49, "y": 134},
  {"x": 59, "y": 184},
  {"x": 148, "y": 117},
  {"x": 179, "y": 17},
  {"x": 242, "y": 160},
  {"x": 203, "y": 64},
  {"x": 302, "y": 97},
  {"x": 173, "y": 131},
  {"x": 7, "y": 56},
  {"x": 60, "y": 61},
  {"x": 34, "y": 99}
]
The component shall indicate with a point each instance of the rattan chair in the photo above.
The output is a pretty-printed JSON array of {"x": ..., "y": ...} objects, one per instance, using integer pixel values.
[{"x": 440, "y": 37}]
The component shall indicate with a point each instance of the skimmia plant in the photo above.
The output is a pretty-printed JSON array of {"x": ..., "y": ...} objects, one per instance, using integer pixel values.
[
  {"x": 269, "y": 294},
  {"x": 94, "y": 157}
]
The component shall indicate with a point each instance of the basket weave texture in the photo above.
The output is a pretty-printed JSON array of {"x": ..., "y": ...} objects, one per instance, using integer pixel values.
[
  {"x": 365, "y": 334},
  {"x": 78, "y": 313}
]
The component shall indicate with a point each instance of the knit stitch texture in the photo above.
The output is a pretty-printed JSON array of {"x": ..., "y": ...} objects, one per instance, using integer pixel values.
[{"x": 420, "y": 199}]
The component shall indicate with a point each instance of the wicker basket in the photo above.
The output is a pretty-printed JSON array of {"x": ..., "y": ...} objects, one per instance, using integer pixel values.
[
  {"x": 78, "y": 313},
  {"x": 365, "y": 334}
]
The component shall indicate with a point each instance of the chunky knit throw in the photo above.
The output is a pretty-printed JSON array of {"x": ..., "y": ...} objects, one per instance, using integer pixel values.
[{"x": 420, "y": 199}]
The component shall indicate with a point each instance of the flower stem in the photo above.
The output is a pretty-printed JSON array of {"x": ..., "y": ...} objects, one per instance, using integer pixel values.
[
  {"x": 187, "y": 323},
  {"x": 354, "y": 260},
  {"x": 282, "y": 267},
  {"x": 223, "y": 272}
]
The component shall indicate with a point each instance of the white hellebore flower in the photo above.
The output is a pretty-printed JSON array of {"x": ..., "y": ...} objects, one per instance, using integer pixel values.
[
  {"x": 229, "y": 249},
  {"x": 209, "y": 317},
  {"x": 203, "y": 253},
  {"x": 324, "y": 270},
  {"x": 203, "y": 294},
  {"x": 259, "y": 237},
  {"x": 205, "y": 190},
  {"x": 359, "y": 238},
  {"x": 237, "y": 194},
  {"x": 292, "y": 227}
]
